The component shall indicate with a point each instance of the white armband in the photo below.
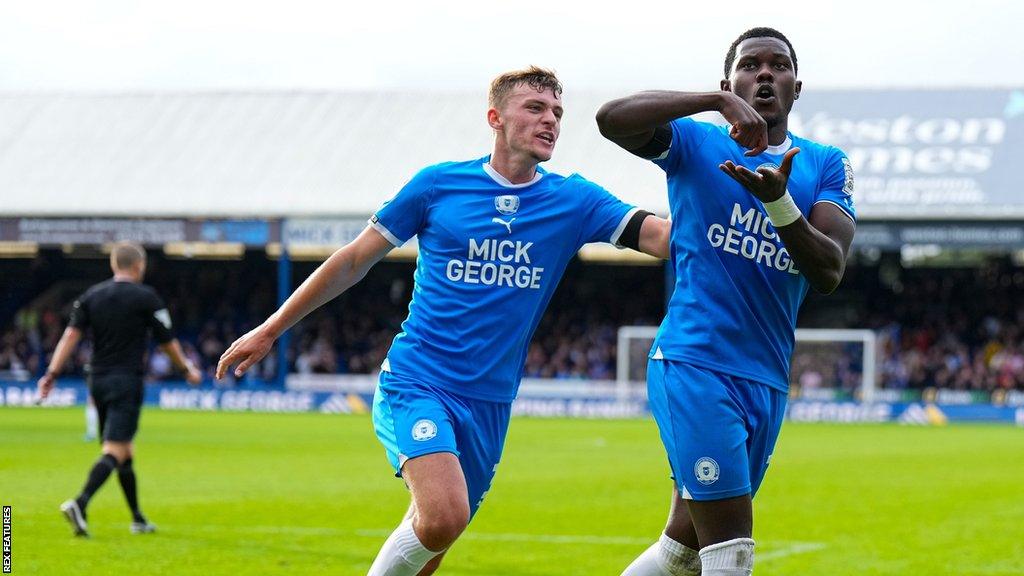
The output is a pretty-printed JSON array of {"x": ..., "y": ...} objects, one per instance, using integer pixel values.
[{"x": 782, "y": 212}]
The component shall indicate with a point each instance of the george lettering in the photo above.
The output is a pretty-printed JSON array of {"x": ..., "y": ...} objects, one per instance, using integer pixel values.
[
  {"x": 471, "y": 273},
  {"x": 454, "y": 270},
  {"x": 732, "y": 240},
  {"x": 765, "y": 252},
  {"x": 494, "y": 274},
  {"x": 522, "y": 277},
  {"x": 505, "y": 274},
  {"x": 716, "y": 235},
  {"x": 756, "y": 244},
  {"x": 488, "y": 273},
  {"x": 784, "y": 262},
  {"x": 748, "y": 247},
  {"x": 535, "y": 278}
]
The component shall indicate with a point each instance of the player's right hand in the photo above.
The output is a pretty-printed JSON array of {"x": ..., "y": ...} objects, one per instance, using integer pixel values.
[
  {"x": 45, "y": 384},
  {"x": 747, "y": 127},
  {"x": 245, "y": 351}
]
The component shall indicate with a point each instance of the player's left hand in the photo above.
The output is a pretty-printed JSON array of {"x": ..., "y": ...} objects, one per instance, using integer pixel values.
[{"x": 767, "y": 184}]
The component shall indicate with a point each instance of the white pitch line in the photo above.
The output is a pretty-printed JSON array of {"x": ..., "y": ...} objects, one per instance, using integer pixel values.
[
  {"x": 779, "y": 549},
  {"x": 543, "y": 538},
  {"x": 298, "y": 530},
  {"x": 790, "y": 550}
]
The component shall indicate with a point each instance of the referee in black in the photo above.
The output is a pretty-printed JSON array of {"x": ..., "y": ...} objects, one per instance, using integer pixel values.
[{"x": 121, "y": 312}]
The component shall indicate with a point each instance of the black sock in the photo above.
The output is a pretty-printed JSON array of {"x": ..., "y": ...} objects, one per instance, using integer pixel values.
[
  {"x": 97, "y": 476},
  {"x": 126, "y": 474}
]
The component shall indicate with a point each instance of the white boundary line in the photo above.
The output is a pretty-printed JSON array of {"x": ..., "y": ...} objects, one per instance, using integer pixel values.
[
  {"x": 793, "y": 548},
  {"x": 779, "y": 549},
  {"x": 541, "y": 538}
]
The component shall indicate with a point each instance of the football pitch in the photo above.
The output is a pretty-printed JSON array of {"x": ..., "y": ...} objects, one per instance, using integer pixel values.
[{"x": 241, "y": 493}]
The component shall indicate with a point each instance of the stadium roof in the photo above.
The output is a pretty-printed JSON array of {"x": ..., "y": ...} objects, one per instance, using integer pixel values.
[
  {"x": 255, "y": 154},
  {"x": 321, "y": 154}
]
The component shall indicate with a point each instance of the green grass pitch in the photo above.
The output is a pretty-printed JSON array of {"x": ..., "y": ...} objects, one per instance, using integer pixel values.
[{"x": 239, "y": 494}]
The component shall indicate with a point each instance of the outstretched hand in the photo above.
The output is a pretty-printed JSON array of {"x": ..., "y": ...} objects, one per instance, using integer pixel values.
[
  {"x": 246, "y": 351},
  {"x": 767, "y": 184}
]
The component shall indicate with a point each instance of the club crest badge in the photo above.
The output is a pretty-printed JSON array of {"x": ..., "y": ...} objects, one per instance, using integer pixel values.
[
  {"x": 424, "y": 430},
  {"x": 507, "y": 204},
  {"x": 847, "y": 177},
  {"x": 706, "y": 470}
]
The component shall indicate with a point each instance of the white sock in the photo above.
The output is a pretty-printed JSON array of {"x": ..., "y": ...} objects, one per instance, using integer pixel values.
[
  {"x": 92, "y": 421},
  {"x": 666, "y": 557},
  {"x": 730, "y": 558},
  {"x": 402, "y": 553}
]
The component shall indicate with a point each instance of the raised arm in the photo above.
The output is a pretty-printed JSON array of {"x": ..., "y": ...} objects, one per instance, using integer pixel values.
[
  {"x": 68, "y": 342},
  {"x": 640, "y": 123},
  {"x": 338, "y": 273}
]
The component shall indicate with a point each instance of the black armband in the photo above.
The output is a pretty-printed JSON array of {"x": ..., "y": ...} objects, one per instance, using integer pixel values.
[
  {"x": 660, "y": 142},
  {"x": 630, "y": 237}
]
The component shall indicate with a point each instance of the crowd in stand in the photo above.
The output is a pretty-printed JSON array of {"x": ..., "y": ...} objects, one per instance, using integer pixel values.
[
  {"x": 959, "y": 329},
  {"x": 955, "y": 329}
]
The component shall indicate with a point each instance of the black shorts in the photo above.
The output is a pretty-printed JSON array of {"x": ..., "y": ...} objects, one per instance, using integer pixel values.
[{"x": 118, "y": 399}]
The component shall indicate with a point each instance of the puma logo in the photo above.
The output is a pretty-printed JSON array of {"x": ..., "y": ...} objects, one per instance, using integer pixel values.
[{"x": 507, "y": 225}]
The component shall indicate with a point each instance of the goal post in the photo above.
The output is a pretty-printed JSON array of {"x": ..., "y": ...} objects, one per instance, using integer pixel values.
[
  {"x": 634, "y": 344},
  {"x": 869, "y": 344}
]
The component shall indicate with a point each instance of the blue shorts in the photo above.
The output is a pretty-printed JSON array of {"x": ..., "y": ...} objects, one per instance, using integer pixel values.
[
  {"x": 414, "y": 419},
  {"x": 719, "y": 430}
]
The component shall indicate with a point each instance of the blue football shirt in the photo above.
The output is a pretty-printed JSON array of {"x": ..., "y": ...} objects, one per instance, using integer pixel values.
[
  {"x": 737, "y": 291},
  {"x": 490, "y": 256}
]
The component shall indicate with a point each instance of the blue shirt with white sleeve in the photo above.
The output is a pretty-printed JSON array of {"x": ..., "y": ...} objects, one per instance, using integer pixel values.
[
  {"x": 737, "y": 290},
  {"x": 490, "y": 256}
]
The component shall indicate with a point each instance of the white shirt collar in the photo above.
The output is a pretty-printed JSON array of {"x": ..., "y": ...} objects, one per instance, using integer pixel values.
[
  {"x": 781, "y": 148},
  {"x": 504, "y": 182}
]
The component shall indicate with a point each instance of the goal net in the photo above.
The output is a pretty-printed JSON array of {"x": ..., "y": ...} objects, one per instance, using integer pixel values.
[{"x": 827, "y": 364}]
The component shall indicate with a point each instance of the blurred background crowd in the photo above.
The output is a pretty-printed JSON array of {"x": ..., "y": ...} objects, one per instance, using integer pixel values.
[{"x": 938, "y": 327}]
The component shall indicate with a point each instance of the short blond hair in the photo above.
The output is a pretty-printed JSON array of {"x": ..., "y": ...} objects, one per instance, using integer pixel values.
[
  {"x": 540, "y": 79},
  {"x": 125, "y": 255}
]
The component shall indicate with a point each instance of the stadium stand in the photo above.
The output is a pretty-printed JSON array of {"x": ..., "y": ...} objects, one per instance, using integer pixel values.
[
  {"x": 237, "y": 195},
  {"x": 935, "y": 332},
  {"x": 213, "y": 303}
]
